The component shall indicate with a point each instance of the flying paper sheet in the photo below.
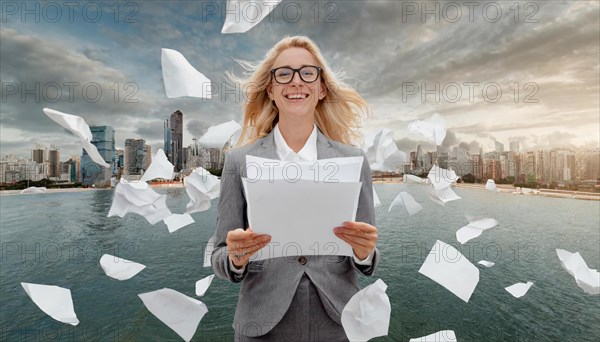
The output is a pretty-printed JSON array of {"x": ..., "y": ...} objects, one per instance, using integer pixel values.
[
  {"x": 486, "y": 263},
  {"x": 217, "y": 136},
  {"x": 210, "y": 247},
  {"x": 434, "y": 129},
  {"x": 160, "y": 167},
  {"x": 406, "y": 199},
  {"x": 491, "y": 185},
  {"x": 414, "y": 179},
  {"x": 448, "y": 267},
  {"x": 34, "y": 190},
  {"x": 181, "y": 78},
  {"x": 442, "y": 196},
  {"x": 381, "y": 150},
  {"x": 242, "y": 15},
  {"x": 440, "y": 336},
  {"x": 441, "y": 178},
  {"x": 201, "y": 187},
  {"x": 474, "y": 229},
  {"x": 518, "y": 290},
  {"x": 55, "y": 301},
  {"x": 586, "y": 278},
  {"x": 203, "y": 284},
  {"x": 118, "y": 268},
  {"x": 77, "y": 126},
  {"x": 178, "y": 311},
  {"x": 367, "y": 313},
  {"x": 130, "y": 198},
  {"x": 300, "y": 216},
  {"x": 376, "y": 201},
  {"x": 331, "y": 170},
  {"x": 177, "y": 221}
]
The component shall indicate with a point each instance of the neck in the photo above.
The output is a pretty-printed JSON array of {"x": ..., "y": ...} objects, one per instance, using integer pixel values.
[{"x": 296, "y": 134}]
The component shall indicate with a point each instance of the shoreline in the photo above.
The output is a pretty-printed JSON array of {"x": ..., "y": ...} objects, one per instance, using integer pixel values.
[
  {"x": 509, "y": 188},
  {"x": 506, "y": 188}
]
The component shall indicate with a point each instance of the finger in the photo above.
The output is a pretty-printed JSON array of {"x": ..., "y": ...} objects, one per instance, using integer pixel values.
[
  {"x": 371, "y": 236},
  {"x": 241, "y": 259},
  {"x": 360, "y": 226},
  {"x": 353, "y": 241}
]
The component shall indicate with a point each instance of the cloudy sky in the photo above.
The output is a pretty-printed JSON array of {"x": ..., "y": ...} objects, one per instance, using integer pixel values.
[{"x": 526, "y": 71}]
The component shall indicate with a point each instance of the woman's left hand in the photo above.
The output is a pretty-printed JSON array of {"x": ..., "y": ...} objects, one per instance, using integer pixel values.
[{"x": 360, "y": 235}]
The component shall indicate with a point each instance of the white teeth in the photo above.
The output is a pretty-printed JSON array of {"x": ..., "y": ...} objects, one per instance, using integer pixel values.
[{"x": 296, "y": 96}]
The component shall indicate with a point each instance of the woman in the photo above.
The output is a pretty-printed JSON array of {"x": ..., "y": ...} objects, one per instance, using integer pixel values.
[{"x": 296, "y": 110}]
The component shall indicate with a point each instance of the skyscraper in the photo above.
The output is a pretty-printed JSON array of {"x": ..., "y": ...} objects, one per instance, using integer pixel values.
[
  {"x": 499, "y": 146},
  {"x": 167, "y": 140},
  {"x": 103, "y": 137},
  {"x": 513, "y": 146},
  {"x": 54, "y": 160},
  {"x": 39, "y": 154},
  {"x": 134, "y": 157},
  {"x": 176, "y": 125}
]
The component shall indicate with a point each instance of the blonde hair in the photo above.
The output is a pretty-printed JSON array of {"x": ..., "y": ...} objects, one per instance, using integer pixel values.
[{"x": 338, "y": 115}]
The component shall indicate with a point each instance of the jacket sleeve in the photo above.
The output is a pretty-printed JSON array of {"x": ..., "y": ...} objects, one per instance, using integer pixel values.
[
  {"x": 231, "y": 215},
  {"x": 366, "y": 213}
]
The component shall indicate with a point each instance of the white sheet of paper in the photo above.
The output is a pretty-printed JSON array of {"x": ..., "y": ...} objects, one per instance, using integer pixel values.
[
  {"x": 486, "y": 263},
  {"x": 300, "y": 216},
  {"x": 448, "y": 267},
  {"x": 242, "y": 15},
  {"x": 331, "y": 170},
  {"x": 203, "y": 284},
  {"x": 80, "y": 129},
  {"x": 408, "y": 201},
  {"x": 34, "y": 190},
  {"x": 442, "y": 196},
  {"x": 518, "y": 290},
  {"x": 178, "y": 221},
  {"x": 434, "y": 128},
  {"x": 130, "y": 198},
  {"x": 381, "y": 150},
  {"x": 414, "y": 179},
  {"x": 160, "y": 167},
  {"x": 210, "y": 247},
  {"x": 55, "y": 301},
  {"x": 367, "y": 314},
  {"x": 376, "y": 201},
  {"x": 178, "y": 311},
  {"x": 119, "y": 268},
  {"x": 586, "y": 278},
  {"x": 441, "y": 178},
  {"x": 474, "y": 229},
  {"x": 440, "y": 336},
  {"x": 181, "y": 78},
  {"x": 217, "y": 136},
  {"x": 491, "y": 185},
  {"x": 201, "y": 187}
]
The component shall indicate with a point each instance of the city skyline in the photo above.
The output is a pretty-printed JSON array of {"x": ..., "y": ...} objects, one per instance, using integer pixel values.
[{"x": 408, "y": 64}]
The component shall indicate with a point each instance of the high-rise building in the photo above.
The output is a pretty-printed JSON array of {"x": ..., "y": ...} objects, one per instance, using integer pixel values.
[
  {"x": 167, "y": 140},
  {"x": 176, "y": 129},
  {"x": 54, "y": 160},
  {"x": 134, "y": 157},
  {"x": 103, "y": 137},
  {"x": 513, "y": 146},
  {"x": 499, "y": 146},
  {"x": 39, "y": 154}
]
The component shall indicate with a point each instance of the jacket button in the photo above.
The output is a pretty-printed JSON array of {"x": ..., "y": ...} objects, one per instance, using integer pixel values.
[{"x": 302, "y": 260}]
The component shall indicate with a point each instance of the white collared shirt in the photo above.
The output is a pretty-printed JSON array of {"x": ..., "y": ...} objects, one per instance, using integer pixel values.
[{"x": 285, "y": 153}]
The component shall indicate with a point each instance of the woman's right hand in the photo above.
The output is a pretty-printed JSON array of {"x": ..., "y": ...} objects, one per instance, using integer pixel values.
[{"x": 242, "y": 244}]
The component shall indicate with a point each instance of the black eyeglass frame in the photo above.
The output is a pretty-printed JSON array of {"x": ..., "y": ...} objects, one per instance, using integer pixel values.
[{"x": 294, "y": 71}]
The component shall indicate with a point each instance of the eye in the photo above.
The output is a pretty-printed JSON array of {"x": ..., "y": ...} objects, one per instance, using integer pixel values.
[{"x": 283, "y": 72}]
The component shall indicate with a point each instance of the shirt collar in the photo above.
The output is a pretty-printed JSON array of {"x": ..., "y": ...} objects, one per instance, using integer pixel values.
[{"x": 285, "y": 153}]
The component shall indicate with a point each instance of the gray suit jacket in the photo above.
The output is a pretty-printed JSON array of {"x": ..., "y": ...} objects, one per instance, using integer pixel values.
[{"x": 268, "y": 286}]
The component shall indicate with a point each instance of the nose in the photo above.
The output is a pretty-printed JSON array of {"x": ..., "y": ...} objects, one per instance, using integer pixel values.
[{"x": 296, "y": 77}]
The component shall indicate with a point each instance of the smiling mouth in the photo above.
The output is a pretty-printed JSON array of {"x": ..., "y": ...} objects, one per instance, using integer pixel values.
[{"x": 296, "y": 96}]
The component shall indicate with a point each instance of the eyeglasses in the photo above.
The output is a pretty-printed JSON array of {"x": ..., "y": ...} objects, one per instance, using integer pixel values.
[{"x": 308, "y": 74}]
